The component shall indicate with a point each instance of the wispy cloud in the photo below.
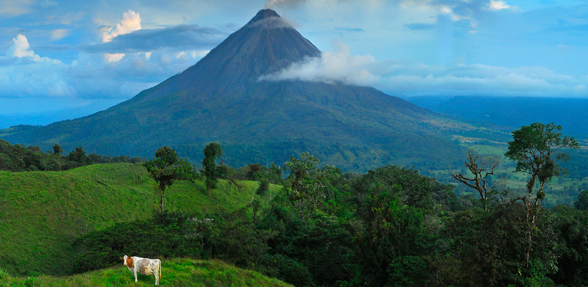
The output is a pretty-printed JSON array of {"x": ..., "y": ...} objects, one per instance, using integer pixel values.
[
  {"x": 395, "y": 77},
  {"x": 58, "y": 34},
  {"x": 25, "y": 74},
  {"x": 10, "y": 8},
  {"x": 180, "y": 37},
  {"x": 48, "y": 3}
]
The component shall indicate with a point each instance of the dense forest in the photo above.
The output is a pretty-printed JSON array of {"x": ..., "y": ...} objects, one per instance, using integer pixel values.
[
  {"x": 388, "y": 227},
  {"x": 20, "y": 158},
  {"x": 391, "y": 226}
]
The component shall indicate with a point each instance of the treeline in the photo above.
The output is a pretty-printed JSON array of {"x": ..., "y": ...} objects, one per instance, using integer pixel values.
[{"x": 19, "y": 158}]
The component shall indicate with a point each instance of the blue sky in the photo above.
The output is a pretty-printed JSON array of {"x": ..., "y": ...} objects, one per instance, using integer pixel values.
[{"x": 88, "y": 55}]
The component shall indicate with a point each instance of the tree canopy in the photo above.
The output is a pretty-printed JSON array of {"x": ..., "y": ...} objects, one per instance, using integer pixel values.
[
  {"x": 166, "y": 167},
  {"x": 212, "y": 151}
]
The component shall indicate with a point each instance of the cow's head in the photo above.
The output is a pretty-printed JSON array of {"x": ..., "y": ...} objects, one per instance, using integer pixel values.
[{"x": 127, "y": 261}]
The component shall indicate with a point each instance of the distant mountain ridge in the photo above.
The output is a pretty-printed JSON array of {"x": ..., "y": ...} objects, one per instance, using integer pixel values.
[
  {"x": 514, "y": 112},
  {"x": 221, "y": 99}
]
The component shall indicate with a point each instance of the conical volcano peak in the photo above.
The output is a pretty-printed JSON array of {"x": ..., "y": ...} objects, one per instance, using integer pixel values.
[
  {"x": 268, "y": 18},
  {"x": 264, "y": 14}
]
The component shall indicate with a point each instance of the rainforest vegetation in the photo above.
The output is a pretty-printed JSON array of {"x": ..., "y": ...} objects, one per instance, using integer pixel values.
[{"x": 391, "y": 226}]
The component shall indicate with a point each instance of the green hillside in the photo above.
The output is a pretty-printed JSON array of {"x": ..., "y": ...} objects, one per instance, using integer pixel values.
[
  {"x": 176, "y": 272},
  {"x": 42, "y": 213}
]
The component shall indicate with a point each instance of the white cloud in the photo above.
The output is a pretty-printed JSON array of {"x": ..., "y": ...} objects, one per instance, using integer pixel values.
[
  {"x": 27, "y": 75},
  {"x": 497, "y": 5},
  {"x": 20, "y": 48},
  {"x": 338, "y": 66},
  {"x": 131, "y": 22},
  {"x": 113, "y": 58},
  {"x": 407, "y": 78}
]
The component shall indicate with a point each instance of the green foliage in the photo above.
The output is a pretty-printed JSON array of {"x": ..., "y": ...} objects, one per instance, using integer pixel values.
[
  {"x": 224, "y": 236},
  {"x": 212, "y": 151},
  {"x": 42, "y": 213},
  {"x": 163, "y": 236},
  {"x": 263, "y": 187},
  {"x": 79, "y": 155},
  {"x": 57, "y": 149},
  {"x": 389, "y": 227},
  {"x": 582, "y": 202},
  {"x": 571, "y": 227},
  {"x": 292, "y": 271},
  {"x": 535, "y": 149},
  {"x": 407, "y": 271},
  {"x": 166, "y": 167},
  {"x": 20, "y": 158},
  {"x": 311, "y": 185},
  {"x": 491, "y": 245},
  {"x": 411, "y": 188},
  {"x": 272, "y": 174}
]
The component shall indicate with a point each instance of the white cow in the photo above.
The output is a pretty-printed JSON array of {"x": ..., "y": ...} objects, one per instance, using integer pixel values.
[{"x": 144, "y": 266}]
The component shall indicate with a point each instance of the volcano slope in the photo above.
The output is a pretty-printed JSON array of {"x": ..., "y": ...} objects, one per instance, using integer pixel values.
[{"x": 221, "y": 98}]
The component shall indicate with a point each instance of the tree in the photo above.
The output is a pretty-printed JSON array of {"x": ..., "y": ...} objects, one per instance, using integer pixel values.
[
  {"x": 166, "y": 167},
  {"x": 536, "y": 148},
  {"x": 79, "y": 155},
  {"x": 57, "y": 149},
  {"x": 212, "y": 151},
  {"x": 311, "y": 184},
  {"x": 480, "y": 167},
  {"x": 582, "y": 202}
]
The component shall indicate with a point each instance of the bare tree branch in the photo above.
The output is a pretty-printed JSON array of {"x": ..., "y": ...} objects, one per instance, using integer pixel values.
[{"x": 481, "y": 166}]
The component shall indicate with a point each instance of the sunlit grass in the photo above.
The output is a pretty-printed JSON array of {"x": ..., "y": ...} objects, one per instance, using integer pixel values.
[
  {"x": 42, "y": 213},
  {"x": 175, "y": 272}
]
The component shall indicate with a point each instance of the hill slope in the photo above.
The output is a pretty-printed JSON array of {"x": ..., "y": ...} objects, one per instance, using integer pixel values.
[
  {"x": 42, "y": 213},
  {"x": 176, "y": 272},
  {"x": 221, "y": 99}
]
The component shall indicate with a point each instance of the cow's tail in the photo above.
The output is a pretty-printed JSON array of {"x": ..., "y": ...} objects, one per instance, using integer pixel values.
[{"x": 159, "y": 269}]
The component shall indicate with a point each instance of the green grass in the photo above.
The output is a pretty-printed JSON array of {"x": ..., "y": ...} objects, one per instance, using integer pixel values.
[
  {"x": 175, "y": 272},
  {"x": 42, "y": 213}
]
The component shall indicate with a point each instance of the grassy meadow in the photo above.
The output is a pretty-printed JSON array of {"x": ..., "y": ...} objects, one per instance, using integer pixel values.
[
  {"x": 42, "y": 213},
  {"x": 175, "y": 272}
]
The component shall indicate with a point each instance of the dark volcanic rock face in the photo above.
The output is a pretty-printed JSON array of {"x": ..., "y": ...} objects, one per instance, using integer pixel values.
[{"x": 221, "y": 99}]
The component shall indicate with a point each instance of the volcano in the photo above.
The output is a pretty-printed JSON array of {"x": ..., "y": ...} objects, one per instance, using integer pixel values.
[{"x": 221, "y": 98}]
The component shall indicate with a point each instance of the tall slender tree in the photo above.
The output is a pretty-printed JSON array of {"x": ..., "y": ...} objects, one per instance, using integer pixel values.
[
  {"x": 536, "y": 150},
  {"x": 212, "y": 151},
  {"x": 165, "y": 168}
]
